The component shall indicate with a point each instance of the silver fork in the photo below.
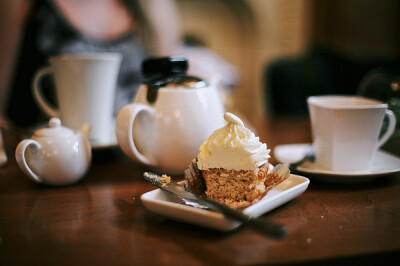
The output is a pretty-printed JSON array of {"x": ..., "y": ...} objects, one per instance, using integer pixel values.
[{"x": 3, "y": 155}]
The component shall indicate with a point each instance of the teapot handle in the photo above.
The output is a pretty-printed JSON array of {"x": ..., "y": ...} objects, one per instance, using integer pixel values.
[
  {"x": 21, "y": 160},
  {"x": 124, "y": 131}
]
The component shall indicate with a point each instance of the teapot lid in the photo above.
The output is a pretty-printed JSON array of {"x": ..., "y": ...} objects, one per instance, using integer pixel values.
[
  {"x": 158, "y": 67},
  {"x": 55, "y": 130},
  {"x": 169, "y": 72}
]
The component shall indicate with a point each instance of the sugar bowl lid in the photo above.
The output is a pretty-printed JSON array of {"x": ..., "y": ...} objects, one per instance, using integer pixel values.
[{"x": 54, "y": 130}]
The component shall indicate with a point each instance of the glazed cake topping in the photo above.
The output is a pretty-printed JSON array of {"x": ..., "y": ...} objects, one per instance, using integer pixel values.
[{"x": 233, "y": 147}]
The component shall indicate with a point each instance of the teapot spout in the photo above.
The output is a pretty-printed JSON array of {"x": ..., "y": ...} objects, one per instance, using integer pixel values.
[{"x": 85, "y": 130}]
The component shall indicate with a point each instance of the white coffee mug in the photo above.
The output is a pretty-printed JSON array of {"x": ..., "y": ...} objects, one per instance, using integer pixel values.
[
  {"x": 85, "y": 89},
  {"x": 346, "y": 130}
]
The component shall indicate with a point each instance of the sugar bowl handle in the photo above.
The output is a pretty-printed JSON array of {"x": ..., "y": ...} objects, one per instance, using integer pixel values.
[{"x": 21, "y": 159}]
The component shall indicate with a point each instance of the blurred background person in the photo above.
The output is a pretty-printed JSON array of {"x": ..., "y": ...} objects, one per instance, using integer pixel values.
[{"x": 33, "y": 31}]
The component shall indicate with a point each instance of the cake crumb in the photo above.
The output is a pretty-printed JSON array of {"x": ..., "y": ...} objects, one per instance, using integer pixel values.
[{"x": 165, "y": 180}]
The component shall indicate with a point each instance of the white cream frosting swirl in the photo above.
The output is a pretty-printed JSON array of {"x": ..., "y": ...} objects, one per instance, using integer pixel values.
[{"x": 232, "y": 147}]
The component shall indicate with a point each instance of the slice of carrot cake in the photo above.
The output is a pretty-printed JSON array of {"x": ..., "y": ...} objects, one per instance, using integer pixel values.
[{"x": 232, "y": 166}]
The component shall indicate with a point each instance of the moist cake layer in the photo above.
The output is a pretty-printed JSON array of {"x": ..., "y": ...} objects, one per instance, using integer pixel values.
[{"x": 237, "y": 188}]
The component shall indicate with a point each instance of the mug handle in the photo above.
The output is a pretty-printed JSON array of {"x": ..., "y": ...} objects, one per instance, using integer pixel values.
[
  {"x": 124, "y": 130},
  {"x": 21, "y": 160},
  {"x": 390, "y": 129},
  {"x": 42, "y": 102}
]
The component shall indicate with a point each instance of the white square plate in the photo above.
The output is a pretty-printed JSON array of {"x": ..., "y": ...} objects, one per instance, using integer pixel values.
[{"x": 162, "y": 203}]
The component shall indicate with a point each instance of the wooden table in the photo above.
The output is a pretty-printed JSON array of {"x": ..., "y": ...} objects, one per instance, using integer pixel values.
[{"x": 102, "y": 221}]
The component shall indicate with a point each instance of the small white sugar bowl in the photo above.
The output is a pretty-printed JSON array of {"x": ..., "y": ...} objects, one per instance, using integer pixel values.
[{"x": 55, "y": 155}]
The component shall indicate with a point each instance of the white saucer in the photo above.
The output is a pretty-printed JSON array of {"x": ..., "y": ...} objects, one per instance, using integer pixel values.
[
  {"x": 384, "y": 163},
  {"x": 106, "y": 145},
  {"x": 112, "y": 143},
  {"x": 162, "y": 203}
]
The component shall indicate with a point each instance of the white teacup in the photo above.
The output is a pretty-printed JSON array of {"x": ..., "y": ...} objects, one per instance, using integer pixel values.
[
  {"x": 85, "y": 89},
  {"x": 346, "y": 130}
]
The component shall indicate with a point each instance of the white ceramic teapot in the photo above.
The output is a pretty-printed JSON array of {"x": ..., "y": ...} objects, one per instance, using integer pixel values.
[
  {"x": 170, "y": 117},
  {"x": 55, "y": 155}
]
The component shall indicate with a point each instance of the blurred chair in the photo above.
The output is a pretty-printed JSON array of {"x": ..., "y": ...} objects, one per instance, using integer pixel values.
[{"x": 289, "y": 81}]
